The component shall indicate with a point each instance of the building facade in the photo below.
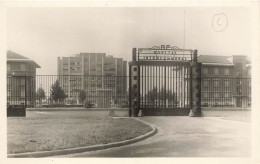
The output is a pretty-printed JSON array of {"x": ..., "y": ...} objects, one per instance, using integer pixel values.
[
  {"x": 226, "y": 81},
  {"x": 21, "y": 73},
  {"x": 99, "y": 75}
]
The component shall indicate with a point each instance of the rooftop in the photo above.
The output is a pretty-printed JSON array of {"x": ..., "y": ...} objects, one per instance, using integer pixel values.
[
  {"x": 209, "y": 59},
  {"x": 15, "y": 57}
]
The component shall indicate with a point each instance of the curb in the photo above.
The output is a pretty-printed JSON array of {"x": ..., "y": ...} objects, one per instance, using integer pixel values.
[{"x": 87, "y": 148}]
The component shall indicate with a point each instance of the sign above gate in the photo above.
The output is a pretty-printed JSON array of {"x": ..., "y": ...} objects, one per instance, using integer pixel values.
[{"x": 164, "y": 53}]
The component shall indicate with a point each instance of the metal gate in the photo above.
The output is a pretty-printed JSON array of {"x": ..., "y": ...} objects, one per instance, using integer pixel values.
[
  {"x": 160, "y": 81},
  {"x": 164, "y": 89}
]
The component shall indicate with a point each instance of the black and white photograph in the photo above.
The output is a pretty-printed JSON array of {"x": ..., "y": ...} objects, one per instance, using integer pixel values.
[{"x": 130, "y": 81}]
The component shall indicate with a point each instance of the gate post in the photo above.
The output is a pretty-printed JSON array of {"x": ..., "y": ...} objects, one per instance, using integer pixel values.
[
  {"x": 134, "y": 89},
  {"x": 195, "y": 87}
]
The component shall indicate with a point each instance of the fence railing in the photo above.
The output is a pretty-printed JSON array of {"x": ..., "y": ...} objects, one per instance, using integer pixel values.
[
  {"x": 67, "y": 91},
  {"x": 226, "y": 92},
  {"x": 111, "y": 91}
]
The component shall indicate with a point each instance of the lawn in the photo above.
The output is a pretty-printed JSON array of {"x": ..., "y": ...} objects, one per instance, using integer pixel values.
[{"x": 39, "y": 134}]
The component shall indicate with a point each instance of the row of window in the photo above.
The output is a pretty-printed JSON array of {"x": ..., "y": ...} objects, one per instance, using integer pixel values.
[
  {"x": 75, "y": 68},
  {"x": 206, "y": 95},
  {"x": 215, "y": 83},
  {"x": 215, "y": 71},
  {"x": 21, "y": 67},
  {"x": 226, "y": 83}
]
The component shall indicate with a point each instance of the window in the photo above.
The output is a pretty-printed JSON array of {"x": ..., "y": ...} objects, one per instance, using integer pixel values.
[
  {"x": 9, "y": 81},
  {"x": 22, "y": 67},
  {"x": 22, "y": 93},
  {"x": 15, "y": 66},
  {"x": 22, "y": 81},
  {"x": 8, "y": 93},
  {"x": 111, "y": 69},
  {"x": 8, "y": 67},
  {"x": 238, "y": 81},
  {"x": 205, "y": 95},
  {"x": 249, "y": 72},
  {"x": 239, "y": 74},
  {"x": 238, "y": 90},
  {"x": 226, "y": 71},
  {"x": 216, "y": 83},
  {"x": 216, "y": 94},
  {"x": 216, "y": 71},
  {"x": 9, "y": 87},
  {"x": 205, "y": 70},
  {"x": 239, "y": 64},
  {"x": 226, "y": 94},
  {"x": 206, "y": 83},
  {"x": 226, "y": 83}
]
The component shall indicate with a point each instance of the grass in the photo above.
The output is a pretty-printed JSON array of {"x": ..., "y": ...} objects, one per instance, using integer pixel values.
[{"x": 39, "y": 134}]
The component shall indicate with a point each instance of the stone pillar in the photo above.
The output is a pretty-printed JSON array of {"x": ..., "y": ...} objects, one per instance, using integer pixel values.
[
  {"x": 134, "y": 97},
  {"x": 195, "y": 87},
  {"x": 134, "y": 89}
]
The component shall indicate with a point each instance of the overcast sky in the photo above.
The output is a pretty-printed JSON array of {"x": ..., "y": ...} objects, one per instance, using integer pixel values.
[{"x": 43, "y": 34}]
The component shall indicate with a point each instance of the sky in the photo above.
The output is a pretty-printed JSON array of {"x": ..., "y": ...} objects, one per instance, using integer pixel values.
[{"x": 43, "y": 33}]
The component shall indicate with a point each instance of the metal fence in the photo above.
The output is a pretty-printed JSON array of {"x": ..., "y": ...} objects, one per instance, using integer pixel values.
[
  {"x": 67, "y": 91},
  {"x": 226, "y": 92},
  {"x": 112, "y": 91}
]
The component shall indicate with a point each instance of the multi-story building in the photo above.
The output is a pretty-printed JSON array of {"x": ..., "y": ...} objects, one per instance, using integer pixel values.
[
  {"x": 99, "y": 75},
  {"x": 226, "y": 81},
  {"x": 21, "y": 73}
]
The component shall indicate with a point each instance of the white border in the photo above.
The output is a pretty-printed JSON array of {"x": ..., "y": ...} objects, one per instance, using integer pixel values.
[{"x": 253, "y": 5}]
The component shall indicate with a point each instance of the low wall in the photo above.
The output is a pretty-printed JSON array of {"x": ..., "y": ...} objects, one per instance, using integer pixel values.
[
  {"x": 16, "y": 111},
  {"x": 75, "y": 112},
  {"x": 243, "y": 114}
]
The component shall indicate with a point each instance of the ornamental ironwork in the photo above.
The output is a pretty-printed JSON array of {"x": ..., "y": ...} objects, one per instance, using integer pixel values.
[{"x": 164, "y": 53}]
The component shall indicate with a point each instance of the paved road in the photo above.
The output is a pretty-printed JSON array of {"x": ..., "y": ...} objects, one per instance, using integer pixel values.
[{"x": 186, "y": 137}]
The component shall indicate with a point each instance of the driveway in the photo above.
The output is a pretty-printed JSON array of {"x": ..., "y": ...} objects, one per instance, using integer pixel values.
[{"x": 182, "y": 136}]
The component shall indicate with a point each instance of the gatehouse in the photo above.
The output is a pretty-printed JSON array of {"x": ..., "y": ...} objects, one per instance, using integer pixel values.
[{"x": 164, "y": 80}]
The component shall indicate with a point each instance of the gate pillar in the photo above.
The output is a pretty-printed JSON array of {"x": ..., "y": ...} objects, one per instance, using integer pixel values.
[
  {"x": 195, "y": 87},
  {"x": 134, "y": 89}
]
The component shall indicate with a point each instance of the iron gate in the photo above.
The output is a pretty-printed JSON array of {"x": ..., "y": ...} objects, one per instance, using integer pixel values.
[
  {"x": 164, "y": 89},
  {"x": 160, "y": 81}
]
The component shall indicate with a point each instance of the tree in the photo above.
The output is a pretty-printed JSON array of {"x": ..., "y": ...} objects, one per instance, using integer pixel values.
[
  {"x": 72, "y": 101},
  {"x": 40, "y": 95},
  {"x": 152, "y": 95},
  {"x": 166, "y": 94},
  {"x": 155, "y": 95},
  {"x": 82, "y": 96},
  {"x": 57, "y": 93}
]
